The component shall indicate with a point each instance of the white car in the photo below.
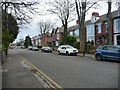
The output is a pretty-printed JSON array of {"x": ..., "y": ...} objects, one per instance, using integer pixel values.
[{"x": 67, "y": 49}]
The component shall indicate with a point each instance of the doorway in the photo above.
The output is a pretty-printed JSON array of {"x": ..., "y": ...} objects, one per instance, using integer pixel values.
[{"x": 118, "y": 40}]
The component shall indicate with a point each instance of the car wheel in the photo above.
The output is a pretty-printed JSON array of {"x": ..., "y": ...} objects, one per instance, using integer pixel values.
[
  {"x": 98, "y": 57},
  {"x": 67, "y": 53},
  {"x": 75, "y": 54}
]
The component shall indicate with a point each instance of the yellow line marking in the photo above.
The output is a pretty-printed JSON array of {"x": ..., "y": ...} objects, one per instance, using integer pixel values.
[
  {"x": 47, "y": 82},
  {"x": 42, "y": 73}
]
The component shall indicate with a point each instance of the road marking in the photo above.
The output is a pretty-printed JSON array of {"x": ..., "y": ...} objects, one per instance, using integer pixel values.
[
  {"x": 44, "y": 84},
  {"x": 40, "y": 72}
]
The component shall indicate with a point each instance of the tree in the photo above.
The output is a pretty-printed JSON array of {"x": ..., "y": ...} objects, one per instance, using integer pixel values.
[
  {"x": 63, "y": 9},
  {"x": 21, "y": 9},
  {"x": 10, "y": 24},
  {"x": 109, "y": 24},
  {"x": 9, "y": 30},
  {"x": 81, "y": 8},
  {"x": 71, "y": 40},
  {"x": 110, "y": 20},
  {"x": 27, "y": 42},
  {"x": 45, "y": 27},
  {"x": 7, "y": 37}
]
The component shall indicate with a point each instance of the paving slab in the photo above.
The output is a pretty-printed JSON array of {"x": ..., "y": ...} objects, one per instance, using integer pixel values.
[{"x": 15, "y": 75}]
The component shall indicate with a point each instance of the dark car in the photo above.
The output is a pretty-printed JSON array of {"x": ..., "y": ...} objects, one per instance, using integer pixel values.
[
  {"x": 46, "y": 49},
  {"x": 29, "y": 47},
  {"x": 108, "y": 52},
  {"x": 22, "y": 47}
]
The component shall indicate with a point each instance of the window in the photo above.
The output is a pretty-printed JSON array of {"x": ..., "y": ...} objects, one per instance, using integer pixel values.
[
  {"x": 117, "y": 26},
  {"x": 106, "y": 27},
  {"x": 76, "y": 32},
  {"x": 90, "y": 32},
  {"x": 106, "y": 48},
  {"x": 99, "y": 27},
  {"x": 63, "y": 48},
  {"x": 71, "y": 32},
  {"x": 114, "y": 49}
]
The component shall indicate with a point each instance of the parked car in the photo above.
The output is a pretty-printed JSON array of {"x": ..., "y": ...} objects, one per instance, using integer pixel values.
[
  {"x": 108, "y": 52},
  {"x": 29, "y": 47},
  {"x": 46, "y": 49},
  {"x": 67, "y": 49},
  {"x": 34, "y": 48},
  {"x": 22, "y": 47},
  {"x": 11, "y": 47}
]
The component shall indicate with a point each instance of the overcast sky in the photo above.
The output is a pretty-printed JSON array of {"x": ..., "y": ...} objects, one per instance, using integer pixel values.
[{"x": 33, "y": 29}]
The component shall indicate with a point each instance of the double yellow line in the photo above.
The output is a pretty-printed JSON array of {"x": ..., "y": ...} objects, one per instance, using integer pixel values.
[{"x": 39, "y": 72}]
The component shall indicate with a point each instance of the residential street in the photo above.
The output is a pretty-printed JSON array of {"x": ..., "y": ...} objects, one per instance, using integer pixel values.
[{"x": 74, "y": 71}]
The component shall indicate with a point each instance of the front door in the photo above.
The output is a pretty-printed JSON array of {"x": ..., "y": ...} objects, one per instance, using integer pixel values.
[{"x": 118, "y": 40}]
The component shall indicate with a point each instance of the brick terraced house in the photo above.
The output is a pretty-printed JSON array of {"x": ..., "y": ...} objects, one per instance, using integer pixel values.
[{"x": 96, "y": 29}]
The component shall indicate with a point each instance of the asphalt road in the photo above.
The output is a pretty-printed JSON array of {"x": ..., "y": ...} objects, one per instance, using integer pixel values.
[{"x": 74, "y": 71}]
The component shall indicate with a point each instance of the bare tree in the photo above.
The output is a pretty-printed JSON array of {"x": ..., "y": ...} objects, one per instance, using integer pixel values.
[
  {"x": 63, "y": 9},
  {"x": 118, "y": 3},
  {"x": 45, "y": 27},
  {"x": 82, "y": 6},
  {"x": 20, "y": 8},
  {"x": 109, "y": 24}
]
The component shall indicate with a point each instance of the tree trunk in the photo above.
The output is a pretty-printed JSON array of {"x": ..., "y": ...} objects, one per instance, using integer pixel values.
[
  {"x": 109, "y": 24},
  {"x": 65, "y": 33},
  {"x": 6, "y": 51},
  {"x": 1, "y": 55},
  {"x": 82, "y": 27}
]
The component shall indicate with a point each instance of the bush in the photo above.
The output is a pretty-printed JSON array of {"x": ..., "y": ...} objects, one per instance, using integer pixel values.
[
  {"x": 90, "y": 48},
  {"x": 71, "y": 40}
]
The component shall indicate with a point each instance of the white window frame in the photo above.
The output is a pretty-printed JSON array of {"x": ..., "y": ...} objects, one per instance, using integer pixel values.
[
  {"x": 90, "y": 35},
  {"x": 75, "y": 32},
  {"x": 106, "y": 27},
  {"x": 71, "y": 32},
  {"x": 117, "y": 27}
]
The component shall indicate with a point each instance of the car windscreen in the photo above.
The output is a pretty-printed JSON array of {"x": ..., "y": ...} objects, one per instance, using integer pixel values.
[
  {"x": 47, "y": 47},
  {"x": 69, "y": 47},
  {"x": 100, "y": 47}
]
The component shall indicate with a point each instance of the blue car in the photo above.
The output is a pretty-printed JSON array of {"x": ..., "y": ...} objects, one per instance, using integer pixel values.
[{"x": 108, "y": 52}]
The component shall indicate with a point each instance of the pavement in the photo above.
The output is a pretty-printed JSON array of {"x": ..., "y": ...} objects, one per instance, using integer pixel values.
[
  {"x": 87, "y": 55},
  {"x": 15, "y": 75},
  {"x": 81, "y": 55}
]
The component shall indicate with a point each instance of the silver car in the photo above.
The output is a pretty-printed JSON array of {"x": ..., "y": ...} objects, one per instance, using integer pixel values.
[{"x": 34, "y": 48}]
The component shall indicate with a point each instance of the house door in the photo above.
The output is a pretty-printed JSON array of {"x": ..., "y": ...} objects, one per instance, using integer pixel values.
[{"x": 118, "y": 40}]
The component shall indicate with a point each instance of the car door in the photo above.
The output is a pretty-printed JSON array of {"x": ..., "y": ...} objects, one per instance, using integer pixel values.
[
  {"x": 63, "y": 50},
  {"x": 114, "y": 53},
  {"x": 111, "y": 53},
  {"x": 105, "y": 52}
]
